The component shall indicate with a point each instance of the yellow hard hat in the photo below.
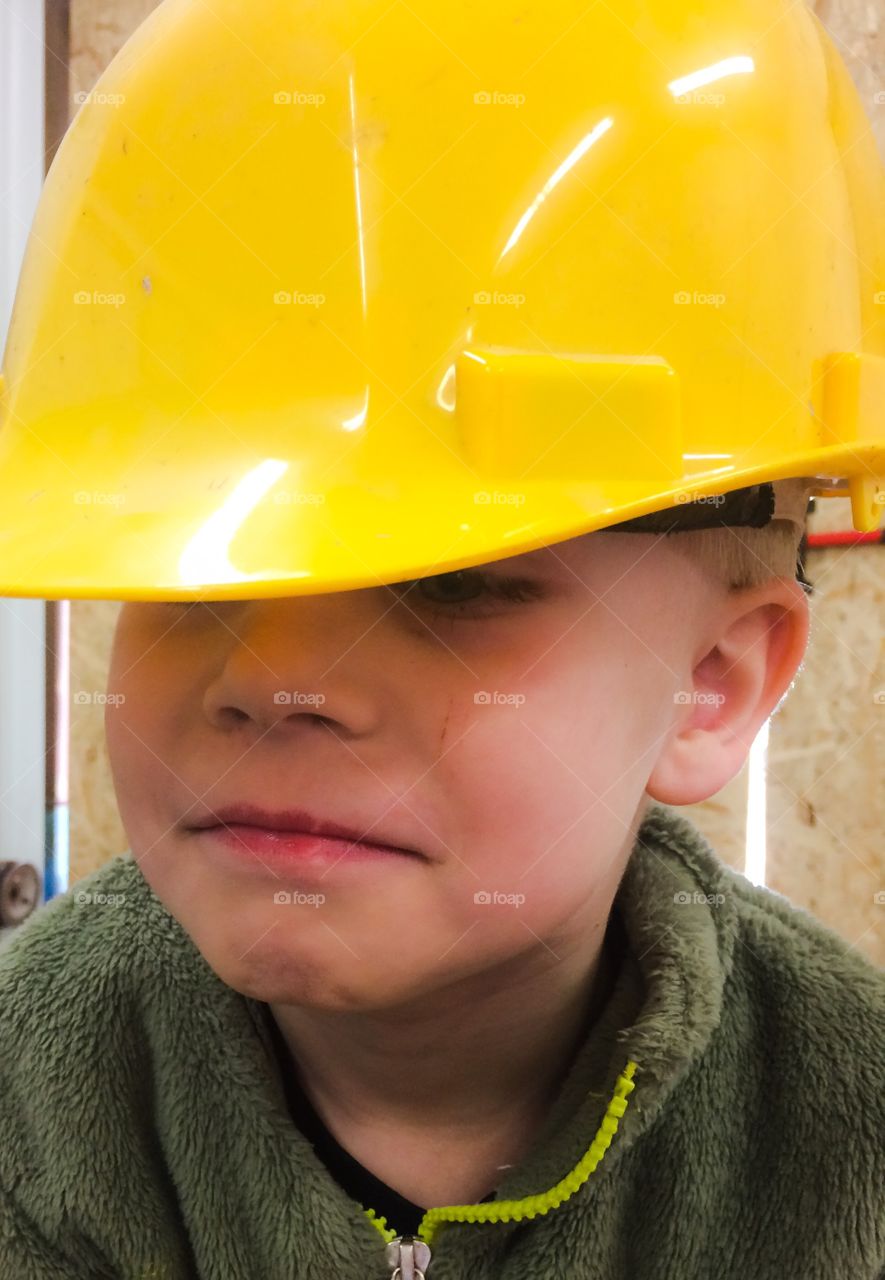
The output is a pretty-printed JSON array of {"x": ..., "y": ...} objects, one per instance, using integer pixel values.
[{"x": 327, "y": 296}]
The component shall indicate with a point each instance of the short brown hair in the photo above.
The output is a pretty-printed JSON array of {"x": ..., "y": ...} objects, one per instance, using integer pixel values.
[{"x": 743, "y": 557}]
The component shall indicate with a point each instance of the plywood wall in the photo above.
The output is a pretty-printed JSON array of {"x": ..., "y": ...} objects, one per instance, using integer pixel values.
[{"x": 827, "y": 745}]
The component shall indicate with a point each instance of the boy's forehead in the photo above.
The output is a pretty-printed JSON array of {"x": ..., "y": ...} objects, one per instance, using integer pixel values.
[
  {"x": 599, "y": 545},
  {"x": 567, "y": 549}
]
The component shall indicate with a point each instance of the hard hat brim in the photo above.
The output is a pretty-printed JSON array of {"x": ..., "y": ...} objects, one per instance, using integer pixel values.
[{"x": 211, "y": 533}]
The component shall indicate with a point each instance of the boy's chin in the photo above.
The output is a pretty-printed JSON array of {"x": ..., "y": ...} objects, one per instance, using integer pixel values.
[{"x": 278, "y": 975}]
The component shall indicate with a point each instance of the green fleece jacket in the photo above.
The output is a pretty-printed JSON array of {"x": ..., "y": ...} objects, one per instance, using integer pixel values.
[{"x": 723, "y": 1119}]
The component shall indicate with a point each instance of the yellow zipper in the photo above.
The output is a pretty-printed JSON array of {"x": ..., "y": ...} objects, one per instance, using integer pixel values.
[{"x": 409, "y": 1256}]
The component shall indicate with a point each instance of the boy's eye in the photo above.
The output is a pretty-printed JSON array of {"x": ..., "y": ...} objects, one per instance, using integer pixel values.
[{"x": 459, "y": 591}]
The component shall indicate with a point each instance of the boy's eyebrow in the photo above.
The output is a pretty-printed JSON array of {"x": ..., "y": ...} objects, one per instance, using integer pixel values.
[{"x": 523, "y": 562}]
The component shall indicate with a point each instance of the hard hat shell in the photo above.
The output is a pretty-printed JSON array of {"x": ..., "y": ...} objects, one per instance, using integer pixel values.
[{"x": 326, "y": 296}]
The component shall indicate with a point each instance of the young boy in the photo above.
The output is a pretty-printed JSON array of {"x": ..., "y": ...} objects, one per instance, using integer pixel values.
[{"x": 434, "y": 611}]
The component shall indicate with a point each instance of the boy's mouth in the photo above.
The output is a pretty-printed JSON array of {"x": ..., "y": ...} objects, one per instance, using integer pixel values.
[{"x": 292, "y": 832}]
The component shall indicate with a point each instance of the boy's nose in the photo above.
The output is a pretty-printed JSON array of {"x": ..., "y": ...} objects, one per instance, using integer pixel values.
[{"x": 307, "y": 659}]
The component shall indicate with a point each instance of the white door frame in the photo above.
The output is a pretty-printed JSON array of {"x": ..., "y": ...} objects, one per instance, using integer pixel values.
[{"x": 23, "y": 822}]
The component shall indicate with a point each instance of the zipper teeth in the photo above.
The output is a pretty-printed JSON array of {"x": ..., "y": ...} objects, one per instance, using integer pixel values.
[
  {"x": 530, "y": 1206},
  {"x": 381, "y": 1223}
]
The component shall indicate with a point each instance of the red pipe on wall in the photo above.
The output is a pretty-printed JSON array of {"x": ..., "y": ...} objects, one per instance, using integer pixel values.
[{"x": 846, "y": 537}]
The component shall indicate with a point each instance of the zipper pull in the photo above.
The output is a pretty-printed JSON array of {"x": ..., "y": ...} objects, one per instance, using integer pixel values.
[{"x": 408, "y": 1257}]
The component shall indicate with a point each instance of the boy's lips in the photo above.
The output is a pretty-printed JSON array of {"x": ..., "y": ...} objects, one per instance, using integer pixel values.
[{"x": 252, "y": 823}]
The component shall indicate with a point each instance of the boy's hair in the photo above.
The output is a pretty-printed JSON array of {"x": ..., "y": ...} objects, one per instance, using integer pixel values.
[{"x": 742, "y": 557}]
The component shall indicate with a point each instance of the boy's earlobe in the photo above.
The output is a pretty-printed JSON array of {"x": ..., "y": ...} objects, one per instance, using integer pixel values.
[{"x": 735, "y": 687}]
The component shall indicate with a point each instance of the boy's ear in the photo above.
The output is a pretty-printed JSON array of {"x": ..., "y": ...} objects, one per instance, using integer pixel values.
[{"x": 761, "y": 637}]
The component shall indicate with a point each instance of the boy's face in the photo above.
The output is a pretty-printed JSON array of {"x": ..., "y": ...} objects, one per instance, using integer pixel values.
[{"x": 509, "y": 742}]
